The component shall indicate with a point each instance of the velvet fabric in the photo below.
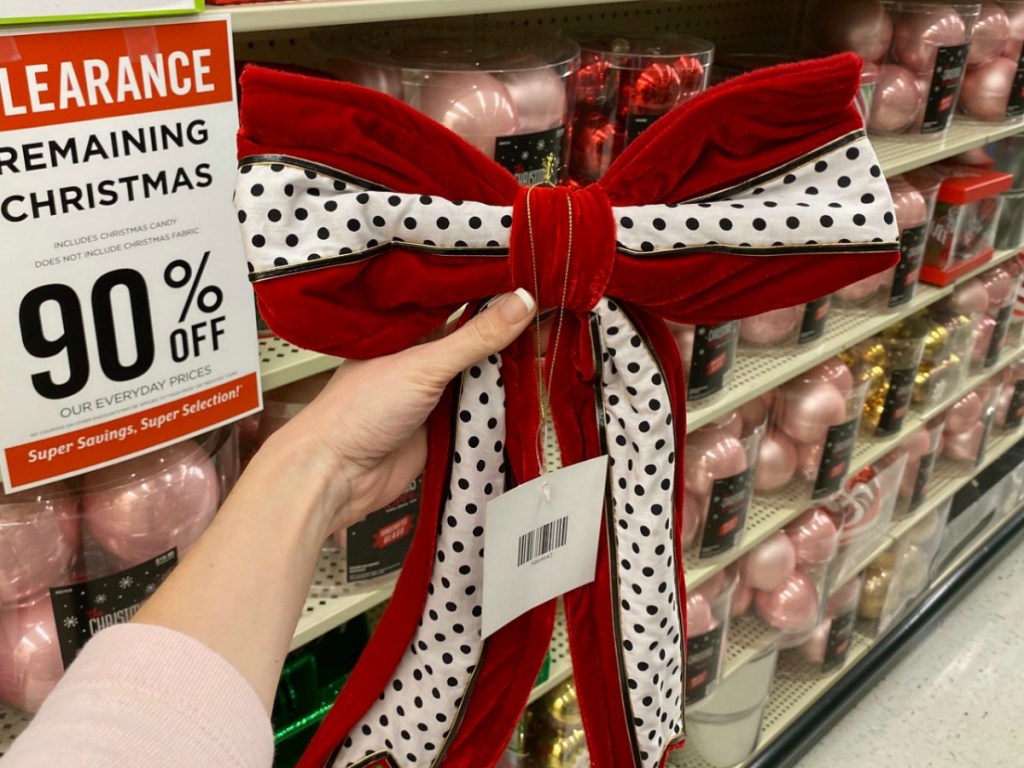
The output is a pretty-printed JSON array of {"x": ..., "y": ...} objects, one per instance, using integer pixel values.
[{"x": 384, "y": 303}]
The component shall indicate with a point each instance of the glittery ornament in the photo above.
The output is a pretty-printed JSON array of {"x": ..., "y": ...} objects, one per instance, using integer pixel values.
[{"x": 873, "y": 594}]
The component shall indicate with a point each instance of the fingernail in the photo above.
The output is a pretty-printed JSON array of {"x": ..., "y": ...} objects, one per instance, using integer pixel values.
[{"x": 516, "y": 306}]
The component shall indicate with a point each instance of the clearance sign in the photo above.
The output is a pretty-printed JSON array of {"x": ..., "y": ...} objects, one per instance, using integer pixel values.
[{"x": 127, "y": 312}]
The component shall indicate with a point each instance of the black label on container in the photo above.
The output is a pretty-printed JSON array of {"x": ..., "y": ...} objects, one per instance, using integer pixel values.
[
  {"x": 835, "y": 458},
  {"x": 840, "y": 634},
  {"x": 998, "y": 336},
  {"x": 713, "y": 349},
  {"x": 1015, "y": 412},
  {"x": 813, "y": 326},
  {"x": 904, "y": 279},
  {"x": 897, "y": 401},
  {"x": 946, "y": 79},
  {"x": 82, "y": 610},
  {"x": 702, "y": 656},
  {"x": 377, "y": 544},
  {"x": 924, "y": 473},
  {"x": 1015, "y": 106},
  {"x": 525, "y": 154},
  {"x": 727, "y": 512},
  {"x": 637, "y": 124}
]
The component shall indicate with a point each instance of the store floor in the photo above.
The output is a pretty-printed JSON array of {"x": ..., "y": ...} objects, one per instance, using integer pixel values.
[{"x": 956, "y": 700}]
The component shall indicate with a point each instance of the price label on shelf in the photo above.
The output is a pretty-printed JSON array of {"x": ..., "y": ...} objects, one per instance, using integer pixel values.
[
  {"x": 29, "y": 11},
  {"x": 126, "y": 308}
]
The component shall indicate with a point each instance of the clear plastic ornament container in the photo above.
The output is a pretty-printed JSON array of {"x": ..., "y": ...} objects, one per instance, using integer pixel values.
[
  {"x": 813, "y": 430},
  {"x": 721, "y": 459},
  {"x": 707, "y": 630},
  {"x": 800, "y": 326},
  {"x": 949, "y": 327},
  {"x": 825, "y": 649},
  {"x": 890, "y": 361},
  {"x": 1001, "y": 284},
  {"x": 725, "y": 727},
  {"x": 1010, "y": 229},
  {"x": 507, "y": 92},
  {"x": 627, "y": 80},
  {"x": 784, "y": 580},
  {"x": 863, "y": 510},
  {"x": 80, "y": 555},
  {"x": 991, "y": 88},
  {"x": 1009, "y": 413},
  {"x": 708, "y": 354},
  {"x": 969, "y": 423},
  {"x": 922, "y": 447},
  {"x": 921, "y": 73},
  {"x": 962, "y": 233}
]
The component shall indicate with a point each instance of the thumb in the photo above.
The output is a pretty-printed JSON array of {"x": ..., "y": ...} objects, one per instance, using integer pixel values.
[{"x": 487, "y": 333}]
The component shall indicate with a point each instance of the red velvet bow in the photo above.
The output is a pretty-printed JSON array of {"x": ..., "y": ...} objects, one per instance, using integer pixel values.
[{"x": 734, "y": 132}]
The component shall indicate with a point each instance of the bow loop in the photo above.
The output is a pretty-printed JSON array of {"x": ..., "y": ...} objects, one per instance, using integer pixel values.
[{"x": 562, "y": 245}]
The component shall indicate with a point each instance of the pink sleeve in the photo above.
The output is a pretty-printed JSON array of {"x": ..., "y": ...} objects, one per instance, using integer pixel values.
[{"x": 142, "y": 696}]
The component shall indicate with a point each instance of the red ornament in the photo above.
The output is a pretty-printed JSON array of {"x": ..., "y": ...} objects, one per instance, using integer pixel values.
[
  {"x": 594, "y": 83},
  {"x": 691, "y": 74},
  {"x": 657, "y": 89},
  {"x": 594, "y": 144}
]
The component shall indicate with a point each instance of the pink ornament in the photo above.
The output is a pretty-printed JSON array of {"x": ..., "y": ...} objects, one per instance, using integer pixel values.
[
  {"x": 377, "y": 77},
  {"x": 989, "y": 35},
  {"x": 793, "y": 605},
  {"x": 844, "y": 599},
  {"x": 897, "y": 101},
  {"x": 833, "y": 371},
  {"x": 1012, "y": 49},
  {"x": 815, "y": 646},
  {"x": 814, "y": 537},
  {"x": 983, "y": 332},
  {"x": 985, "y": 92},
  {"x": 753, "y": 414},
  {"x": 1002, "y": 410},
  {"x": 713, "y": 587},
  {"x": 861, "y": 26},
  {"x": 861, "y": 290},
  {"x": 776, "y": 461},
  {"x": 699, "y": 619},
  {"x": 39, "y": 538},
  {"x": 30, "y": 660},
  {"x": 474, "y": 105},
  {"x": 145, "y": 506},
  {"x": 742, "y": 597},
  {"x": 684, "y": 335},
  {"x": 771, "y": 327},
  {"x": 971, "y": 297},
  {"x": 964, "y": 446},
  {"x": 1000, "y": 285},
  {"x": 730, "y": 424},
  {"x": 910, "y": 205},
  {"x": 768, "y": 564},
  {"x": 917, "y": 36},
  {"x": 768, "y": 398},
  {"x": 964, "y": 414},
  {"x": 808, "y": 412},
  {"x": 539, "y": 98},
  {"x": 722, "y": 457},
  {"x": 808, "y": 460},
  {"x": 693, "y": 516},
  {"x": 919, "y": 444}
]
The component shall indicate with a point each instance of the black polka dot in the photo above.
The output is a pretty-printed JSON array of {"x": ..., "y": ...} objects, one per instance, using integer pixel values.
[
  {"x": 242, "y": 217},
  {"x": 362, "y": 198},
  {"x": 852, "y": 153},
  {"x": 379, "y": 221},
  {"x": 811, "y": 191},
  {"x": 792, "y": 222},
  {"x": 876, "y": 171},
  {"x": 789, "y": 178},
  {"x": 353, "y": 225},
  {"x": 443, "y": 223},
  {"x": 658, "y": 224},
  {"x": 759, "y": 224},
  {"x": 256, "y": 190},
  {"x": 725, "y": 224},
  {"x": 821, "y": 166},
  {"x": 409, "y": 222},
  {"x": 474, "y": 222},
  {"x": 506, "y": 221},
  {"x": 626, "y": 223},
  {"x": 258, "y": 241},
  {"x": 887, "y": 217},
  {"x": 301, "y": 214},
  {"x": 859, "y": 220},
  {"x": 826, "y": 221},
  {"x": 692, "y": 224},
  {"x": 292, "y": 240},
  {"x": 331, "y": 206},
  {"x": 323, "y": 233},
  {"x": 867, "y": 199},
  {"x": 843, "y": 181},
  {"x": 280, "y": 261}
]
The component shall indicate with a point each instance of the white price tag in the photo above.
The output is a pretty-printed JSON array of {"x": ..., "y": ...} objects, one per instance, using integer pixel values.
[
  {"x": 128, "y": 312},
  {"x": 28, "y": 11},
  {"x": 540, "y": 540}
]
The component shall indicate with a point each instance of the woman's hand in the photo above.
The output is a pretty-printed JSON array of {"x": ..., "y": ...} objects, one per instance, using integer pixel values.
[{"x": 366, "y": 429}]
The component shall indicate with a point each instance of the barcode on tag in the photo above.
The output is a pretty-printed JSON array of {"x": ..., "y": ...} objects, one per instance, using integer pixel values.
[{"x": 543, "y": 539}]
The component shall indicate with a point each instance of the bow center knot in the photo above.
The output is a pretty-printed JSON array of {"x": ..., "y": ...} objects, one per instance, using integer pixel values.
[{"x": 562, "y": 245}]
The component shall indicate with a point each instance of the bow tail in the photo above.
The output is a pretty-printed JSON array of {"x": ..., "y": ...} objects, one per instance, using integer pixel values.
[{"x": 626, "y": 629}]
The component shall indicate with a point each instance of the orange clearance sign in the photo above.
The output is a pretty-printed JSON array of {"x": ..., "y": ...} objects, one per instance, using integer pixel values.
[{"x": 51, "y": 78}]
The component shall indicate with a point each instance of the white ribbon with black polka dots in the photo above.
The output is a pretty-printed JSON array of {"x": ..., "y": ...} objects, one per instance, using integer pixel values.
[
  {"x": 414, "y": 717},
  {"x": 296, "y": 215}
]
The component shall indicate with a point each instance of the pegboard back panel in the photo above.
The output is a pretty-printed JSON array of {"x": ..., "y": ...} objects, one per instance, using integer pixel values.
[{"x": 736, "y": 25}]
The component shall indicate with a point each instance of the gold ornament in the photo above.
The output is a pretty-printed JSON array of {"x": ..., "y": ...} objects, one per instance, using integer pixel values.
[
  {"x": 935, "y": 342},
  {"x": 873, "y": 593}
]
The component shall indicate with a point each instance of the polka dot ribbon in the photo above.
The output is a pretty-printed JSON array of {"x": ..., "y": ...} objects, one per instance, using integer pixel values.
[{"x": 366, "y": 225}]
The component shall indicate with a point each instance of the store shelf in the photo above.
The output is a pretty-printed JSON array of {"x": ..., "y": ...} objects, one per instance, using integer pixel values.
[
  {"x": 12, "y": 723},
  {"x": 561, "y": 663},
  {"x": 898, "y": 154},
  {"x": 282, "y": 363},
  {"x": 309, "y": 13},
  {"x": 748, "y": 637}
]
